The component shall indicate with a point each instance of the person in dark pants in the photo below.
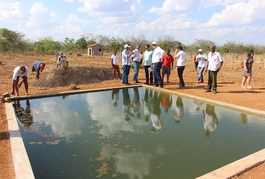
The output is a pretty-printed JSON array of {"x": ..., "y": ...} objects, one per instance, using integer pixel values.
[
  {"x": 157, "y": 62},
  {"x": 23, "y": 72},
  {"x": 126, "y": 64},
  {"x": 214, "y": 65},
  {"x": 181, "y": 63},
  {"x": 38, "y": 67},
  {"x": 147, "y": 65}
]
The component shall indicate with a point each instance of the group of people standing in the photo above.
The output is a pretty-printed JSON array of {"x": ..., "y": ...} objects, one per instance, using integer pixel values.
[{"x": 156, "y": 60}]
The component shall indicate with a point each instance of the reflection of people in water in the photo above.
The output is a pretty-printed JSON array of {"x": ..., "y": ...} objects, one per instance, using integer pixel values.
[
  {"x": 244, "y": 118},
  {"x": 147, "y": 103},
  {"x": 136, "y": 103},
  {"x": 115, "y": 97},
  {"x": 179, "y": 112},
  {"x": 210, "y": 121},
  {"x": 23, "y": 115},
  {"x": 156, "y": 112},
  {"x": 197, "y": 105},
  {"x": 166, "y": 101},
  {"x": 126, "y": 104}
]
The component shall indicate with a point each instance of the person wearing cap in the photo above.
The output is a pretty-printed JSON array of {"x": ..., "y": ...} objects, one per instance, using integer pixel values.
[
  {"x": 136, "y": 57},
  {"x": 157, "y": 62},
  {"x": 201, "y": 58},
  {"x": 181, "y": 63},
  {"x": 38, "y": 67},
  {"x": 214, "y": 65},
  {"x": 126, "y": 64},
  {"x": 61, "y": 60},
  {"x": 23, "y": 72}
]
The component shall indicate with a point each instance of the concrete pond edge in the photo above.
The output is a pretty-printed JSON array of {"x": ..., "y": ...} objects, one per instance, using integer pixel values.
[{"x": 23, "y": 169}]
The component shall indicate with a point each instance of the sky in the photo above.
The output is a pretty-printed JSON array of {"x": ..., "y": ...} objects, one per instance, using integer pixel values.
[{"x": 220, "y": 21}]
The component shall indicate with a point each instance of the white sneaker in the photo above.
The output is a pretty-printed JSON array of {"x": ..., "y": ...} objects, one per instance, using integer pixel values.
[{"x": 249, "y": 87}]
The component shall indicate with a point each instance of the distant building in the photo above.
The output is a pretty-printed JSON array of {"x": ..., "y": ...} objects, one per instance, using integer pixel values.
[{"x": 95, "y": 50}]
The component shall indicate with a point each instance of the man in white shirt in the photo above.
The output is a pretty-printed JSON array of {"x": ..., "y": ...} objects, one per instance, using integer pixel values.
[
  {"x": 181, "y": 63},
  {"x": 214, "y": 65},
  {"x": 136, "y": 62},
  {"x": 157, "y": 62},
  {"x": 23, "y": 72},
  {"x": 201, "y": 58}
]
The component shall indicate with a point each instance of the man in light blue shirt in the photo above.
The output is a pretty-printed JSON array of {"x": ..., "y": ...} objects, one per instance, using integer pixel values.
[
  {"x": 136, "y": 63},
  {"x": 126, "y": 64},
  {"x": 147, "y": 64}
]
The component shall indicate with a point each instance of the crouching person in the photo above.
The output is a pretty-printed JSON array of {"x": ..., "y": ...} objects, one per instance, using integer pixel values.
[
  {"x": 38, "y": 67},
  {"x": 23, "y": 72}
]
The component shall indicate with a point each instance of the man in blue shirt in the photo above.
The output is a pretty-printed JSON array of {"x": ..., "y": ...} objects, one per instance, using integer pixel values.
[
  {"x": 38, "y": 67},
  {"x": 126, "y": 64}
]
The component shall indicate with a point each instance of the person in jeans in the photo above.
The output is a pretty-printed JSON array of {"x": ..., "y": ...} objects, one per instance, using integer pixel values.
[
  {"x": 147, "y": 64},
  {"x": 126, "y": 64},
  {"x": 136, "y": 62},
  {"x": 181, "y": 63},
  {"x": 38, "y": 67},
  {"x": 201, "y": 58},
  {"x": 214, "y": 65},
  {"x": 157, "y": 62}
]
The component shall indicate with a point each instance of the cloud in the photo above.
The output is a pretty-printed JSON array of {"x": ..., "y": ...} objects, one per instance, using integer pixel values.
[
  {"x": 10, "y": 11},
  {"x": 113, "y": 11},
  {"x": 38, "y": 15},
  {"x": 175, "y": 5},
  {"x": 242, "y": 13},
  {"x": 63, "y": 121}
]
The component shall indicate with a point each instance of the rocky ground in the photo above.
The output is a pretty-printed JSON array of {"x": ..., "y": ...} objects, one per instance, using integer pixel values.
[{"x": 95, "y": 72}]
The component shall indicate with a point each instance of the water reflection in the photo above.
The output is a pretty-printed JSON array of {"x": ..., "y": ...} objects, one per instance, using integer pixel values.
[
  {"x": 24, "y": 115},
  {"x": 156, "y": 112},
  {"x": 166, "y": 101},
  {"x": 147, "y": 101},
  {"x": 179, "y": 110},
  {"x": 109, "y": 119},
  {"x": 115, "y": 97},
  {"x": 210, "y": 121},
  {"x": 134, "y": 164},
  {"x": 244, "y": 118},
  {"x": 126, "y": 105},
  {"x": 63, "y": 120},
  {"x": 136, "y": 103}
]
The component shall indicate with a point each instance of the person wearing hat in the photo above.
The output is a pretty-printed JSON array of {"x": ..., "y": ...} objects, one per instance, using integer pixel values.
[
  {"x": 157, "y": 62},
  {"x": 126, "y": 64},
  {"x": 62, "y": 60},
  {"x": 201, "y": 58},
  {"x": 23, "y": 72},
  {"x": 136, "y": 57},
  {"x": 38, "y": 67}
]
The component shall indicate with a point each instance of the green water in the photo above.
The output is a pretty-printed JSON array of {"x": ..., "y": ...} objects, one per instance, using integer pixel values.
[{"x": 133, "y": 133}]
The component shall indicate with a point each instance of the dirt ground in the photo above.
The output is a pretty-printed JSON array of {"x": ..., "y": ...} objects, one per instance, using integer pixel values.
[{"x": 229, "y": 90}]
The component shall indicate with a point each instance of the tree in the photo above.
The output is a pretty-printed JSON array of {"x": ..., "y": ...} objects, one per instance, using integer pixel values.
[
  {"x": 10, "y": 40},
  {"x": 81, "y": 44}
]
